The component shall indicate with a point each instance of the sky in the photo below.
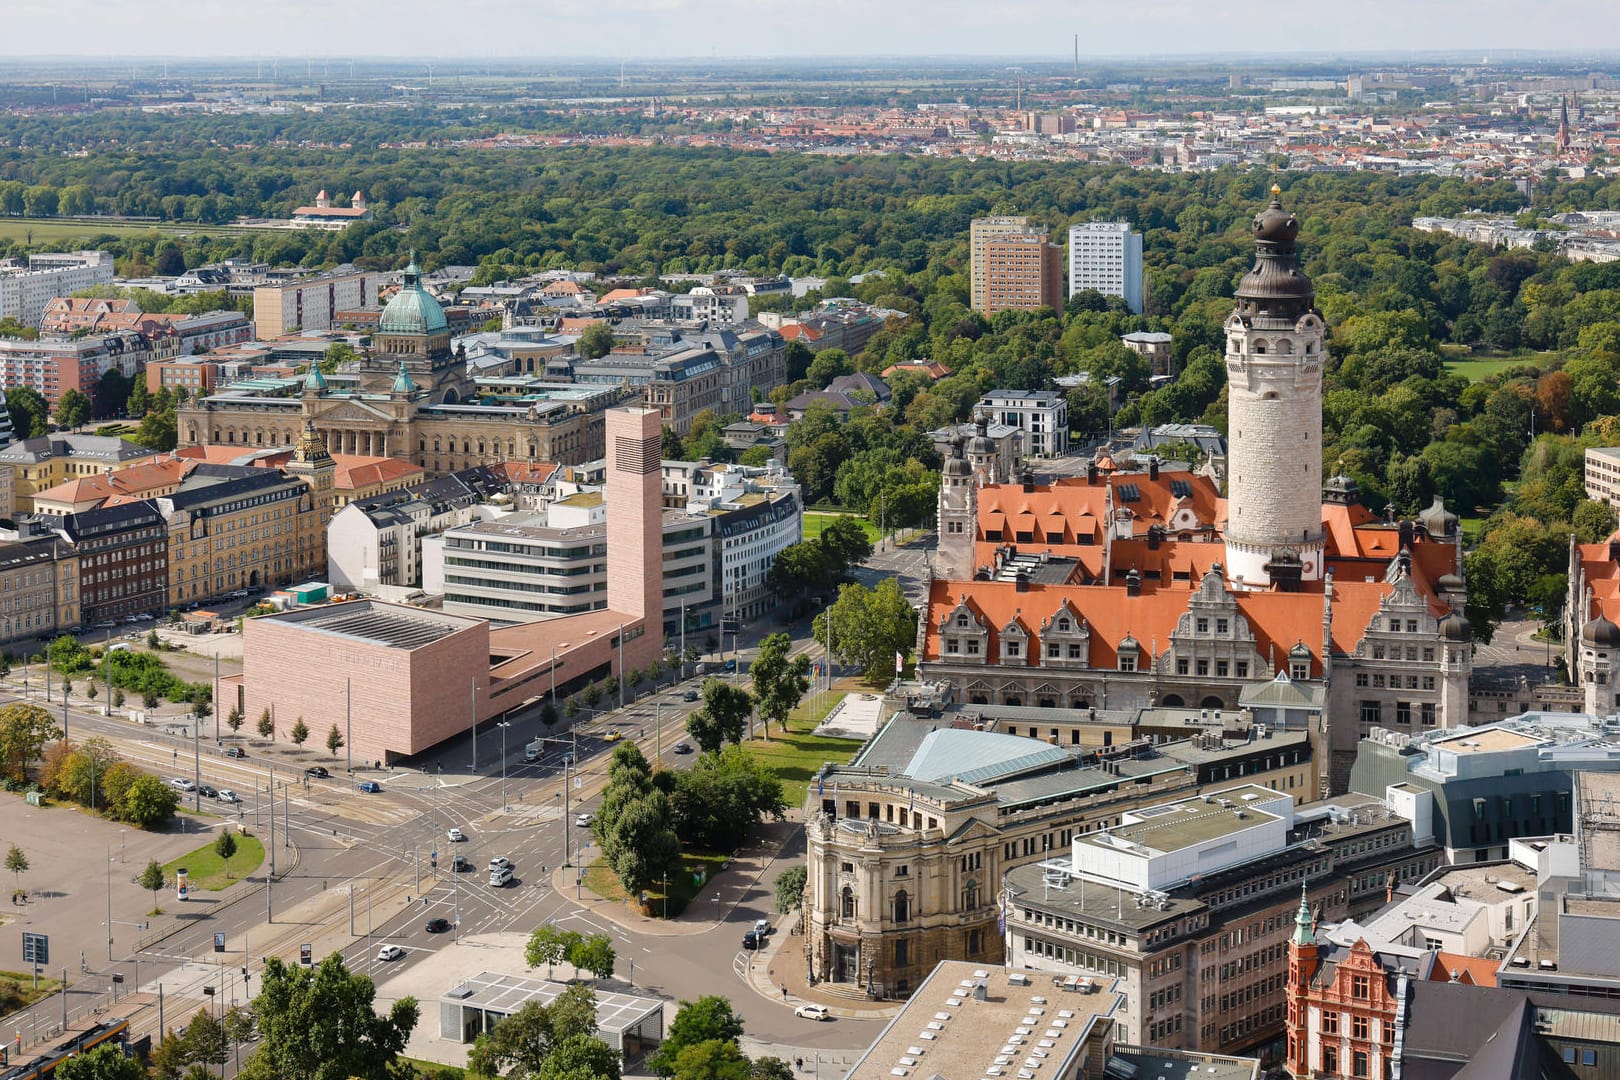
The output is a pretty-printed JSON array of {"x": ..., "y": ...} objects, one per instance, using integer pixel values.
[{"x": 628, "y": 29}]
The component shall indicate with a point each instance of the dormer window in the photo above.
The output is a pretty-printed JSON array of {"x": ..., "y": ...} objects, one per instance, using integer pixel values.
[
  {"x": 1063, "y": 626},
  {"x": 961, "y": 620}
]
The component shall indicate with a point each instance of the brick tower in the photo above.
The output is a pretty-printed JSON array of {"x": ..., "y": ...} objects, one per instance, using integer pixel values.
[
  {"x": 1274, "y": 354},
  {"x": 635, "y": 531}
]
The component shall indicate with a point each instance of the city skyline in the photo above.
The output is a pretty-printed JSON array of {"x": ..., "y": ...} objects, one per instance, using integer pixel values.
[{"x": 668, "y": 29}]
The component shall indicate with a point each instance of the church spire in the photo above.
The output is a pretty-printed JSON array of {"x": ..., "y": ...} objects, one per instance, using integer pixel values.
[{"x": 1303, "y": 920}]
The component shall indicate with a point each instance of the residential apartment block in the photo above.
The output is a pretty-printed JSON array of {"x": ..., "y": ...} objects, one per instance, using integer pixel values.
[
  {"x": 39, "y": 587},
  {"x": 980, "y": 234},
  {"x": 1022, "y": 272},
  {"x": 1602, "y": 469},
  {"x": 123, "y": 560},
  {"x": 34, "y": 465},
  {"x": 1106, "y": 256},
  {"x": 26, "y": 287},
  {"x": 53, "y": 366},
  {"x": 1042, "y": 415},
  {"x": 311, "y": 303}
]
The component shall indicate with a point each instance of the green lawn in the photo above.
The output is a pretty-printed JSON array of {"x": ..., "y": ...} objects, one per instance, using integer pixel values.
[
  {"x": 816, "y": 521},
  {"x": 43, "y": 230},
  {"x": 432, "y": 1070},
  {"x": 1477, "y": 368},
  {"x": 797, "y": 755},
  {"x": 683, "y": 889},
  {"x": 208, "y": 871}
]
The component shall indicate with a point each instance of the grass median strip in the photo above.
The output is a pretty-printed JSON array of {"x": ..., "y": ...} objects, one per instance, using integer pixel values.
[{"x": 207, "y": 870}]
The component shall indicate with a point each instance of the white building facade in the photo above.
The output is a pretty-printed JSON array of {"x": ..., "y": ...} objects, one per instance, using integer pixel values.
[
  {"x": 1042, "y": 415},
  {"x": 1106, "y": 256},
  {"x": 25, "y": 290}
]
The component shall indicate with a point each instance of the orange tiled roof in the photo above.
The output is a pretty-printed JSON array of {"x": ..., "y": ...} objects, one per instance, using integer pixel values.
[
  {"x": 135, "y": 482},
  {"x": 621, "y": 294},
  {"x": 522, "y": 472},
  {"x": 1478, "y": 970},
  {"x": 357, "y": 471}
]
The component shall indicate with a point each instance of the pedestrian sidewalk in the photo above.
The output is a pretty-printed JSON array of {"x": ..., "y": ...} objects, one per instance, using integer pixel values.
[{"x": 779, "y": 972}]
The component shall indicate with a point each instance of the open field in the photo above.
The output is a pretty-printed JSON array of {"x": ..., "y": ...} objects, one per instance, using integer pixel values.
[
  {"x": 207, "y": 870},
  {"x": 43, "y": 230},
  {"x": 1478, "y": 366},
  {"x": 798, "y": 754}
]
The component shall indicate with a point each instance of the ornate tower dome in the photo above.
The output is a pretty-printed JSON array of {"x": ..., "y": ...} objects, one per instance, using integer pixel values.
[
  {"x": 1274, "y": 353},
  {"x": 413, "y": 310}
]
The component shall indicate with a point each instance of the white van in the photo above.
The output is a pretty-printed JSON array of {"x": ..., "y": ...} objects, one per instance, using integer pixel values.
[
  {"x": 532, "y": 752},
  {"x": 499, "y": 876}
]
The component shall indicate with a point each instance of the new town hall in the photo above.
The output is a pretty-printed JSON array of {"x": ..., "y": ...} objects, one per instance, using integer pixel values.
[{"x": 1121, "y": 590}]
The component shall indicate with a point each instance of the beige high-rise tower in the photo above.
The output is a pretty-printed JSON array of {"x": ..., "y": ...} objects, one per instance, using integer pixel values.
[
  {"x": 635, "y": 540},
  {"x": 1274, "y": 356},
  {"x": 981, "y": 233}
]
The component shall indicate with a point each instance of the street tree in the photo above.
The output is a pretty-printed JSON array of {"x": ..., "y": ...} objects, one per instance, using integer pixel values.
[
  {"x": 322, "y": 1024},
  {"x": 580, "y": 1057},
  {"x": 593, "y": 954},
  {"x": 845, "y": 542},
  {"x": 643, "y": 847},
  {"x": 870, "y": 626},
  {"x": 723, "y": 797},
  {"x": 205, "y": 1039},
  {"x": 708, "y": 1019},
  {"x": 148, "y": 803},
  {"x": 267, "y": 724},
  {"x": 73, "y": 409},
  {"x": 548, "y": 945},
  {"x": 234, "y": 719},
  {"x": 105, "y": 1062},
  {"x": 152, "y": 879},
  {"x": 17, "y": 863},
  {"x": 519, "y": 1046},
  {"x": 24, "y": 731},
  {"x": 723, "y": 716},
  {"x": 299, "y": 732},
  {"x": 780, "y": 680},
  {"x": 790, "y": 889},
  {"x": 225, "y": 847},
  {"x": 595, "y": 342},
  {"x": 334, "y": 741},
  {"x": 711, "y": 1059}
]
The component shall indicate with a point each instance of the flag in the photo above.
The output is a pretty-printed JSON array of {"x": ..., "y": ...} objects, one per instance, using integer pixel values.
[
  {"x": 912, "y": 808},
  {"x": 899, "y": 662},
  {"x": 1001, "y": 915},
  {"x": 821, "y": 786}
]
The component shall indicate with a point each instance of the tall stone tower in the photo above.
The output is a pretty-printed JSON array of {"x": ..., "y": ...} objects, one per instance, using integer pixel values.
[
  {"x": 958, "y": 515},
  {"x": 314, "y": 466},
  {"x": 1274, "y": 357}
]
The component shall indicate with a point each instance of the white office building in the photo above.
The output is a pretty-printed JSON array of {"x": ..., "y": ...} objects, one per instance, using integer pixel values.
[
  {"x": 1106, "y": 256},
  {"x": 25, "y": 288}
]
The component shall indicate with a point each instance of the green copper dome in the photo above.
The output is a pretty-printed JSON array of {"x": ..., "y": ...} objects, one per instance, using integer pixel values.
[
  {"x": 402, "y": 381},
  {"x": 412, "y": 310},
  {"x": 313, "y": 379}
]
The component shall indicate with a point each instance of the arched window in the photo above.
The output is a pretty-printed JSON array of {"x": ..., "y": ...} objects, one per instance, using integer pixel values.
[
  {"x": 1212, "y": 702},
  {"x": 847, "y": 906},
  {"x": 902, "y": 906}
]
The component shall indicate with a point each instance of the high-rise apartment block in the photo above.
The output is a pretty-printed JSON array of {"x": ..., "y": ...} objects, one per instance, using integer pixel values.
[
  {"x": 25, "y": 288},
  {"x": 1106, "y": 256},
  {"x": 1022, "y": 272},
  {"x": 311, "y": 303},
  {"x": 986, "y": 232}
]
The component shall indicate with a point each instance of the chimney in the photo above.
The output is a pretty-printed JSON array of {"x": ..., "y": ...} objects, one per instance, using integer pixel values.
[
  {"x": 1133, "y": 583},
  {"x": 1155, "y": 537},
  {"x": 1029, "y": 482},
  {"x": 980, "y": 991},
  {"x": 1091, "y": 474},
  {"x": 1153, "y": 468},
  {"x": 1614, "y": 550},
  {"x": 1021, "y": 582},
  {"x": 1406, "y": 534}
]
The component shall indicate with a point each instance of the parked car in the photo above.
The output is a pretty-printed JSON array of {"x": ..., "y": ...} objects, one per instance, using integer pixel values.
[
  {"x": 762, "y": 927},
  {"x": 811, "y": 1011},
  {"x": 390, "y": 952},
  {"x": 690, "y": 695},
  {"x": 370, "y": 787},
  {"x": 455, "y": 835},
  {"x": 227, "y": 795},
  {"x": 437, "y": 926},
  {"x": 317, "y": 772},
  {"x": 683, "y": 748},
  {"x": 752, "y": 940},
  {"x": 235, "y": 752},
  {"x": 183, "y": 784},
  {"x": 207, "y": 792}
]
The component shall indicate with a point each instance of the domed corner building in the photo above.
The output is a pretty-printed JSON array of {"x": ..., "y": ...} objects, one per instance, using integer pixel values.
[{"x": 412, "y": 400}]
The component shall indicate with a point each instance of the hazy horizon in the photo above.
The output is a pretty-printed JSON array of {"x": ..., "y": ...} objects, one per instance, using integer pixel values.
[{"x": 669, "y": 30}]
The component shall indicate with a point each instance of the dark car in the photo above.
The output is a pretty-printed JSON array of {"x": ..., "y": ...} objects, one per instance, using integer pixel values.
[
  {"x": 235, "y": 751},
  {"x": 752, "y": 940},
  {"x": 683, "y": 748},
  {"x": 370, "y": 787},
  {"x": 460, "y": 864},
  {"x": 690, "y": 695},
  {"x": 437, "y": 926},
  {"x": 207, "y": 792},
  {"x": 317, "y": 772}
]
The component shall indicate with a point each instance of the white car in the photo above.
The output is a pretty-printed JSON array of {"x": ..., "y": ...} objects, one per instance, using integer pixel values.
[
  {"x": 183, "y": 784},
  {"x": 762, "y": 927},
  {"x": 812, "y": 1011},
  {"x": 455, "y": 836},
  {"x": 390, "y": 952},
  {"x": 227, "y": 795},
  {"x": 499, "y": 862},
  {"x": 583, "y": 821}
]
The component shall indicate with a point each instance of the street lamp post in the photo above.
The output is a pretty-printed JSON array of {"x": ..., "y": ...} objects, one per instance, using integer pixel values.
[
  {"x": 474, "y": 701},
  {"x": 503, "y": 726}
]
